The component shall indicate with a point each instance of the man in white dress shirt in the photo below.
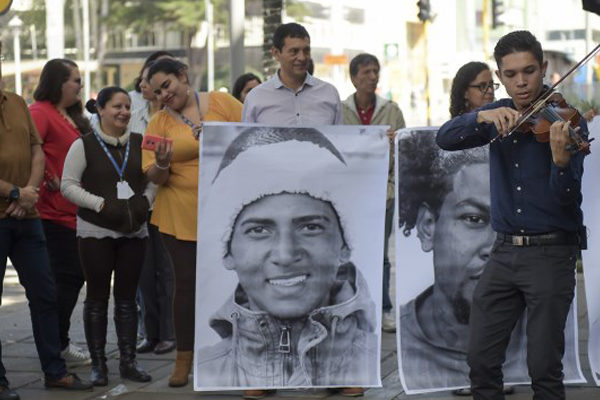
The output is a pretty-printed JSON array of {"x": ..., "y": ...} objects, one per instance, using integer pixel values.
[{"x": 293, "y": 96}]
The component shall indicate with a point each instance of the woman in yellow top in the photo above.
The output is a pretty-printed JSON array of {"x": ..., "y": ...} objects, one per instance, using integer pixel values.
[{"x": 174, "y": 167}]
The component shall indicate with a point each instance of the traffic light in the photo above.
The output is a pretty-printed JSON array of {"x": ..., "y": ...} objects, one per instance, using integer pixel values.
[
  {"x": 497, "y": 11},
  {"x": 424, "y": 10}
]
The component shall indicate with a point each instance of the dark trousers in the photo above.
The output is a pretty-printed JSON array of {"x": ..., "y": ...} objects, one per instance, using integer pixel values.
[
  {"x": 540, "y": 279},
  {"x": 183, "y": 259},
  {"x": 23, "y": 242},
  {"x": 386, "y": 300},
  {"x": 156, "y": 287},
  {"x": 61, "y": 243},
  {"x": 101, "y": 257}
]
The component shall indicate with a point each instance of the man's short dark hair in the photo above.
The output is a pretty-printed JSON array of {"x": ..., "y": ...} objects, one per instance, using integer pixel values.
[
  {"x": 291, "y": 30},
  {"x": 360, "y": 61},
  {"x": 516, "y": 42},
  {"x": 425, "y": 173}
]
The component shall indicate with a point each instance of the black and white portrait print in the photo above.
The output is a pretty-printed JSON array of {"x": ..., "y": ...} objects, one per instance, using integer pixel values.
[
  {"x": 443, "y": 238},
  {"x": 591, "y": 256},
  {"x": 290, "y": 227}
]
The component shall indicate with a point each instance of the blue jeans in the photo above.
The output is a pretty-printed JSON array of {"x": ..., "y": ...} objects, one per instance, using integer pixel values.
[
  {"x": 24, "y": 242},
  {"x": 61, "y": 243}
]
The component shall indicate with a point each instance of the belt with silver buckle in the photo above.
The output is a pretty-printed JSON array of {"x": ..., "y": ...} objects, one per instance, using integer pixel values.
[{"x": 545, "y": 239}]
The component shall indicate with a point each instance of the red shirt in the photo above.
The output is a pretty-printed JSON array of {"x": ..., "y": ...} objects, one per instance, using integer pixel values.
[
  {"x": 57, "y": 134},
  {"x": 365, "y": 115}
]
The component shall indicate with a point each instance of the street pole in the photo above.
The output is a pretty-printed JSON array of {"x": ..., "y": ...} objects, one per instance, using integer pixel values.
[
  {"x": 336, "y": 19},
  {"x": 15, "y": 24},
  {"x": 427, "y": 89},
  {"x": 486, "y": 29},
  {"x": 210, "y": 46},
  {"x": 86, "y": 48},
  {"x": 55, "y": 29},
  {"x": 237, "y": 10},
  {"x": 588, "y": 67},
  {"x": 34, "y": 49}
]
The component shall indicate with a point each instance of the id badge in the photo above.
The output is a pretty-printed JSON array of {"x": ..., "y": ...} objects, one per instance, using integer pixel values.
[{"x": 124, "y": 191}]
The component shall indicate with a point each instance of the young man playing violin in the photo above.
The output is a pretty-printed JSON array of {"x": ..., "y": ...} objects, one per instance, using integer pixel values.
[{"x": 535, "y": 210}]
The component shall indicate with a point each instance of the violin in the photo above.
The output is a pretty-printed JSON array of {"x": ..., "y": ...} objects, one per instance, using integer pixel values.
[
  {"x": 551, "y": 107},
  {"x": 554, "y": 108}
]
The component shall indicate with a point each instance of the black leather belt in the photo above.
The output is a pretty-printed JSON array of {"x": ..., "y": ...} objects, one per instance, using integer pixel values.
[{"x": 545, "y": 239}]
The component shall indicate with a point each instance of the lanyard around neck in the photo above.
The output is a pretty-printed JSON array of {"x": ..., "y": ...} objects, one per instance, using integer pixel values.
[
  {"x": 196, "y": 129},
  {"x": 120, "y": 170}
]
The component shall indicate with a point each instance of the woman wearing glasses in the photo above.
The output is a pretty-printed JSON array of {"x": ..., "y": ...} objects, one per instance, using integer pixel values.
[{"x": 472, "y": 87}]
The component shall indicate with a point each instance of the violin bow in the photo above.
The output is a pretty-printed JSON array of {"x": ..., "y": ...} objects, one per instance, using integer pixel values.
[{"x": 541, "y": 102}]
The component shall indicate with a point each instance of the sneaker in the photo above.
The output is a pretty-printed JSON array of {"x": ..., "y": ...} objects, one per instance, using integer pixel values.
[
  {"x": 75, "y": 356},
  {"x": 164, "y": 346},
  {"x": 388, "y": 324},
  {"x": 146, "y": 346}
]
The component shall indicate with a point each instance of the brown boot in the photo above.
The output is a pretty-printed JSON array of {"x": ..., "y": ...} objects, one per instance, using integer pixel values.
[
  {"x": 183, "y": 364},
  {"x": 257, "y": 394},
  {"x": 352, "y": 392}
]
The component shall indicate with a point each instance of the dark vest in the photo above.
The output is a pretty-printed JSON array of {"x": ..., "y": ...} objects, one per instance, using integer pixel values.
[{"x": 100, "y": 178}]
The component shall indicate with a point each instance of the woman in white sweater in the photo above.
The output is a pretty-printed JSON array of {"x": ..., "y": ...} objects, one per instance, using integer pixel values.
[{"x": 102, "y": 175}]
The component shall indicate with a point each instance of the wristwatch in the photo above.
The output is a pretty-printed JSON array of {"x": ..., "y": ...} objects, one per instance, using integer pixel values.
[{"x": 14, "y": 194}]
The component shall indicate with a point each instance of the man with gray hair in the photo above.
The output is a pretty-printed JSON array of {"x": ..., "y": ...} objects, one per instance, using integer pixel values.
[{"x": 365, "y": 107}]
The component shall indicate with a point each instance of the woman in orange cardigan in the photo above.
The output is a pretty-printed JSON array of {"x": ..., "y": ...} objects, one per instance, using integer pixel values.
[{"x": 174, "y": 167}]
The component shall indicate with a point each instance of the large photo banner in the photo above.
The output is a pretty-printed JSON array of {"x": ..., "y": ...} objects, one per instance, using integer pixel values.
[
  {"x": 443, "y": 238},
  {"x": 591, "y": 256},
  {"x": 289, "y": 276}
]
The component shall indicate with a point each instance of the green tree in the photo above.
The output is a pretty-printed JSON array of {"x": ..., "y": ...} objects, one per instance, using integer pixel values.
[
  {"x": 272, "y": 10},
  {"x": 184, "y": 15},
  {"x": 36, "y": 17}
]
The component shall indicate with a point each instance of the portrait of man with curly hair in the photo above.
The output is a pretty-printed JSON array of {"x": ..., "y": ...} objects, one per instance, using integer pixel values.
[{"x": 444, "y": 200}]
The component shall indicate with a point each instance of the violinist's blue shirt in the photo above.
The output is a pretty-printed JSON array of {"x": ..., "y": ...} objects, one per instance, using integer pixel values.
[{"x": 529, "y": 193}]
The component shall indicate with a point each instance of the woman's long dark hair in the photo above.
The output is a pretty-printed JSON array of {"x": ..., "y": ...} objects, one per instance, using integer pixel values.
[
  {"x": 464, "y": 76},
  {"x": 54, "y": 74}
]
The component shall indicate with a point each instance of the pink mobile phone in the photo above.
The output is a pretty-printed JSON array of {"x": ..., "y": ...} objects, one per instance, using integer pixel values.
[{"x": 149, "y": 142}]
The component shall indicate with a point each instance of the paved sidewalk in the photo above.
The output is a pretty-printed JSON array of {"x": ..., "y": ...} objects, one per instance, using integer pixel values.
[{"x": 20, "y": 359}]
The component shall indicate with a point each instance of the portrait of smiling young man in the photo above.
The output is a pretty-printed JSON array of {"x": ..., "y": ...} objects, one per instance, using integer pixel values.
[
  {"x": 286, "y": 249},
  {"x": 536, "y": 212},
  {"x": 294, "y": 306}
]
